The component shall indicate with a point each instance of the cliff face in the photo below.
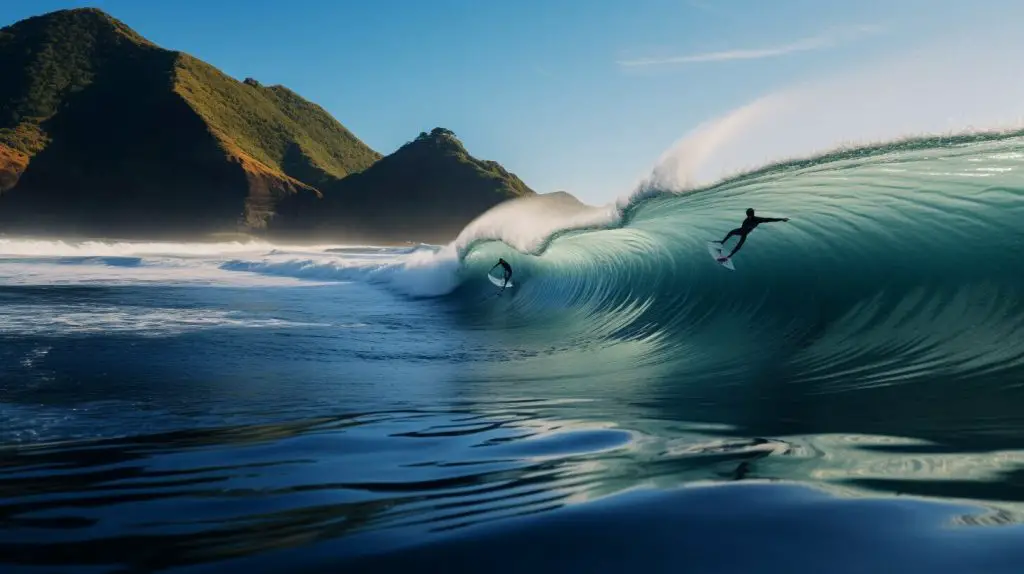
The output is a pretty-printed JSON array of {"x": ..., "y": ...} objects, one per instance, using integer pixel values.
[{"x": 104, "y": 133}]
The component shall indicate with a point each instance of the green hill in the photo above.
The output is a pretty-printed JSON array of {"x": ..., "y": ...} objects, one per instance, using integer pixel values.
[
  {"x": 104, "y": 133},
  {"x": 271, "y": 125},
  {"x": 427, "y": 190}
]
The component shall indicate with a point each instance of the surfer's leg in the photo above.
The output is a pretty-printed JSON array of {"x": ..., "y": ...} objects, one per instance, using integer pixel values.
[
  {"x": 743, "y": 238},
  {"x": 736, "y": 231}
]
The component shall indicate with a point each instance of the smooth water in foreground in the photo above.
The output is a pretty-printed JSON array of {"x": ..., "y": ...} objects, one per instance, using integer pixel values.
[{"x": 850, "y": 399}]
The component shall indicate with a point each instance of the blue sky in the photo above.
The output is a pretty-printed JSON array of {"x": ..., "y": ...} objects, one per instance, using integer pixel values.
[{"x": 576, "y": 95}]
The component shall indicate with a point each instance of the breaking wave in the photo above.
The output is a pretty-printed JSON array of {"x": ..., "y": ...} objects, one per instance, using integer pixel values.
[{"x": 901, "y": 263}]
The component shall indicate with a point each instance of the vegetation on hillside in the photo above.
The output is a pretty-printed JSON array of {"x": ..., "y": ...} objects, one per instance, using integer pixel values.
[
  {"x": 46, "y": 60},
  {"x": 287, "y": 133},
  {"x": 102, "y": 130},
  {"x": 445, "y": 142},
  {"x": 430, "y": 188}
]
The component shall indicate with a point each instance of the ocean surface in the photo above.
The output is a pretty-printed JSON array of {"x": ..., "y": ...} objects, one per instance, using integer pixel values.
[{"x": 849, "y": 399}]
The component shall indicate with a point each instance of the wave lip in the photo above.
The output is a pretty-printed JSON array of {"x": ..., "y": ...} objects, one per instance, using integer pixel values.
[{"x": 527, "y": 224}]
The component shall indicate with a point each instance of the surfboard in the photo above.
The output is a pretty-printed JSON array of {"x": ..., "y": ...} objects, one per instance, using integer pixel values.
[
  {"x": 717, "y": 250},
  {"x": 499, "y": 281}
]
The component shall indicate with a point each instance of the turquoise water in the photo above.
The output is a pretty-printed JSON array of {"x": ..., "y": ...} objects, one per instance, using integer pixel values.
[{"x": 848, "y": 399}]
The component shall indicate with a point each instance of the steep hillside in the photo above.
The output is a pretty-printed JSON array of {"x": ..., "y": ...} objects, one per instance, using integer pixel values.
[
  {"x": 104, "y": 133},
  {"x": 428, "y": 190},
  {"x": 271, "y": 125}
]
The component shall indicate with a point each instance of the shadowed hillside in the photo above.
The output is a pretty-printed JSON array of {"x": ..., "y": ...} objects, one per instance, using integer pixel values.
[
  {"x": 104, "y": 133},
  {"x": 430, "y": 173}
]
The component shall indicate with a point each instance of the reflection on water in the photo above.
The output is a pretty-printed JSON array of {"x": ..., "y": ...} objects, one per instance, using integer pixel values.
[
  {"x": 745, "y": 527},
  {"x": 192, "y": 496},
  {"x": 374, "y": 482}
]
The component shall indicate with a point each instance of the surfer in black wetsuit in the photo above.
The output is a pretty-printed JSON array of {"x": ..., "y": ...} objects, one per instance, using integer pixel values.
[
  {"x": 508, "y": 269},
  {"x": 746, "y": 227}
]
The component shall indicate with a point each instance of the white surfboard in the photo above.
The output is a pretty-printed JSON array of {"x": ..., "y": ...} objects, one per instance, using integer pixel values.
[
  {"x": 717, "y": 251},
  {"x": 499, "y": 281}
]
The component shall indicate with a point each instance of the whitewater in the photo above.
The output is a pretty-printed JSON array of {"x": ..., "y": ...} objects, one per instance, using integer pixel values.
[{"x": 332, "y": 406}]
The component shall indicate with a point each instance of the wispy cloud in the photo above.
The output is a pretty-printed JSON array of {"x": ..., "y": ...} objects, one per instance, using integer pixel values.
[{"x": 821, "y": 41}]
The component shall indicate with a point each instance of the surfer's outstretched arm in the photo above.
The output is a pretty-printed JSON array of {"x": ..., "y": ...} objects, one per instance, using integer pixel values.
[{"x": 771, "y": 219}]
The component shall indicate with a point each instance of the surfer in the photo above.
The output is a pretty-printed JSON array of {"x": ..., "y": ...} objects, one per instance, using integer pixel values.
[
  {"x": 746, "y": 227},
  {"x": 508, "y": 269}
]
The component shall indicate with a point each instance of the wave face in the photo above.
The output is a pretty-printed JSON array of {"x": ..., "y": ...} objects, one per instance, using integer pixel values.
[{"x": 901, "y": 263}]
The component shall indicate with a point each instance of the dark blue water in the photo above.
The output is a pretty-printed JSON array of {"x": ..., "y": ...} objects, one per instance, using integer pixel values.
[{"x": 844, "y": 401}]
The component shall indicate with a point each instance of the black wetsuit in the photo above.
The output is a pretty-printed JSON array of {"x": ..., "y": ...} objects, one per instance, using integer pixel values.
[
  {"x": 746, "y": 227},
  {"x": 508, "y": 269}
]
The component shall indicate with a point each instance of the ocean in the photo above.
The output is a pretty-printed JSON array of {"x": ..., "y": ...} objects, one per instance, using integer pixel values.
[{"x": 849, "y": 399}]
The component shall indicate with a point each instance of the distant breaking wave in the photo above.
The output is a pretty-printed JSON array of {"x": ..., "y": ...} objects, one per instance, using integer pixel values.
[{"x": 47, "y": 248}]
